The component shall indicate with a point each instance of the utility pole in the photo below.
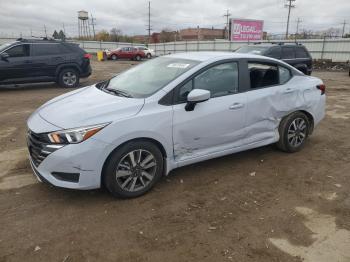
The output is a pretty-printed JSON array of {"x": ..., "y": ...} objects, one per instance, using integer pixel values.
[
  {"x": 64, "y": 31},
  {"x": 149, "y": 22},
  {"x": 93, "y": 26},
  {"x": 290, "y": 5},
  {"x": 344, "y": 24},
  {"x": 227, "y": 15},
  {"x": 298, "y": 23},
  {"x": 45, "y": 31}
]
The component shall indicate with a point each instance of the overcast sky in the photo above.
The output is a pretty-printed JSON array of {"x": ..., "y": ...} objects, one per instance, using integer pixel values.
[{"x": 18, "y": 16}]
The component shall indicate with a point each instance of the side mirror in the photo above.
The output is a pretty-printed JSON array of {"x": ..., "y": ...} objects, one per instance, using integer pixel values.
[
  {"x": 4, "y": 56},
  {"x": 196, "y": 96}
]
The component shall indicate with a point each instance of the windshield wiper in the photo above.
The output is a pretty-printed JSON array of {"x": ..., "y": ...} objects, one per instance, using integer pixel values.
[{"x": 118, "y": 92}]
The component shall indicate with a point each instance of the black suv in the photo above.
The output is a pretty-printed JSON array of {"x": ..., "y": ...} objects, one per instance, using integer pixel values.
[
  {"x": 292, "y": 53},
  {"x": 32, "y": 61}
]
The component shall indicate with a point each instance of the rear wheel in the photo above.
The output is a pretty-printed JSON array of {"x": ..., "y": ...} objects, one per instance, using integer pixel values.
[
  {"x": 149, "y": 56},
  {"x": 133, "y": 169},
  {"x": 138, "y": 58},
  {"x": 293, "y": 130},
  {"x": 68, "y": 78}
]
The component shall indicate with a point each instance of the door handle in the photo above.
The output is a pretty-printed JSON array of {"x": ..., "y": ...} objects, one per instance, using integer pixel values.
[
  {"x": 236, "y": 106},
  {"x": 28, "y": 61},
  {"x": 288, "y": 90}
]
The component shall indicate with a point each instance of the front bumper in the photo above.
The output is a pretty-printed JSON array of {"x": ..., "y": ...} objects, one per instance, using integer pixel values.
[{"x": 84, "y": 161}]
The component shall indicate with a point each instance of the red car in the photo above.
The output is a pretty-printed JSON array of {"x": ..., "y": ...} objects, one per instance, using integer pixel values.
[{"x": 126, "y": 52}]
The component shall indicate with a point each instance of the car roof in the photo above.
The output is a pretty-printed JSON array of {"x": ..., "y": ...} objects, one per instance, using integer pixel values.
[{"x": 205, "y": 56}]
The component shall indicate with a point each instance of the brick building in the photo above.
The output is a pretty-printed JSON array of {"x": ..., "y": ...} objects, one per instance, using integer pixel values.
[{"x": 192, "y": 34}]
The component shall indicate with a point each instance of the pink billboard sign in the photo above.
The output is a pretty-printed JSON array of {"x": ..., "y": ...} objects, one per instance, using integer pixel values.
[{"x": 246, "y": 30}]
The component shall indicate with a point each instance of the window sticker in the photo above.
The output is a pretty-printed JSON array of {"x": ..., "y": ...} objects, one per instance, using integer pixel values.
[{"x": 178, "y": 65}]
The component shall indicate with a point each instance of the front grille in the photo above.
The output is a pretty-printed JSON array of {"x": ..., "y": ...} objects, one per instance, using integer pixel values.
[{"x": 40, "y": 147}]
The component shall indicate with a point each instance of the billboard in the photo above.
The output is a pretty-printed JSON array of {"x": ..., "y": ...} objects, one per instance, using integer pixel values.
[{"x": 246, "y": 30}]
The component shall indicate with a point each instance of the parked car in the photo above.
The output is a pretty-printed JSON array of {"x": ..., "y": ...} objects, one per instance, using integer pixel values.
[
  {"x": 32, "y": 61},
  {"x": 126, "y": 53},
  {"x": 294, "y": 54},
  {"x": 148, "y": 52},
  {"x": 175, "y": 110}
]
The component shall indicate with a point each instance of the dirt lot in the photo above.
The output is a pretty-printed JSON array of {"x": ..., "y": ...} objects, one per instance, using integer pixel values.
[{"x": 260, "y": 205}]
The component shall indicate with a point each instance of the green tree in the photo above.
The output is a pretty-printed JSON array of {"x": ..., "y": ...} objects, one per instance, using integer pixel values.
[
  {"x": 55, "y": 35},
  {"x": 61, "y": 35}
]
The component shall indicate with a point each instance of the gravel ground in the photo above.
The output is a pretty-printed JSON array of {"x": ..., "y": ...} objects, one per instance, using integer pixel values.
[{"x": 259, "y": 205}]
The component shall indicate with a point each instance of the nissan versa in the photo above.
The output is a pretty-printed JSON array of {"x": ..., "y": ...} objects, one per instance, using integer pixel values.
[{"x": 175, "y": 110}]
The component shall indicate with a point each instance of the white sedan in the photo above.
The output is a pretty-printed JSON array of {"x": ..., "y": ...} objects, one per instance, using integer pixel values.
[
  {"x": 148, "y": 52},
  {"x": 175, "y": 110}
]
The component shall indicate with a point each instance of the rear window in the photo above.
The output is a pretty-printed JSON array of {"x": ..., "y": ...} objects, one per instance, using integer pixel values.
[
  {"x": 47, "y": 49},
  {"x": 300, "y": 52}
]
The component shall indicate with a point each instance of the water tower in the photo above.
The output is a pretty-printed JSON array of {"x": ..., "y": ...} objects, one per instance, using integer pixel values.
[{"x": 83, "y": 25}]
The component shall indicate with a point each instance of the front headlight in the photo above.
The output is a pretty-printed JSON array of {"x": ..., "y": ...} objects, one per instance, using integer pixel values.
[{"x": 74, "y": 135}]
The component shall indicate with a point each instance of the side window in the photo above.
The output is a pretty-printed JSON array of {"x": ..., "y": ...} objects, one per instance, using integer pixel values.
[
  {"x": 184, "y": 91},
  {"x": 263, "y": 75},
  {"x": 125, "y": 49},
  {"x": 18, "y": 51},
  {"x": 46, "y": 49},
  {"x": 274, "y": 52},
  {"x": 220, "y": 80},
  {"x": 284, "y": 74},
  {"x": 300, "y": 52},
  {"x": 288, "y": 52}
]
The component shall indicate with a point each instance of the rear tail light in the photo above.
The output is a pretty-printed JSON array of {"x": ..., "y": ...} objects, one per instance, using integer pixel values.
[
  {"x": 88, "y": 56},
  {"x": 322, "y": 88}
]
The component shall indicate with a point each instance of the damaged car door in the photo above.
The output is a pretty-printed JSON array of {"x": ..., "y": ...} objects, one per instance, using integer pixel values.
[
  {"x": 214, "y": 125},
  {"x": 272, "y": 95}
]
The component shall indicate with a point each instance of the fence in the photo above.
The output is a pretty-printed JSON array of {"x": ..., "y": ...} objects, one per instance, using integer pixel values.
[
  {"x": 338, "y": 50},
  {"x": 89, "y": 46}
]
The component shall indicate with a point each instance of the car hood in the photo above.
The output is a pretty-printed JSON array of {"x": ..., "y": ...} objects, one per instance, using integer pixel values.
[{"x": 88, "y": 106}]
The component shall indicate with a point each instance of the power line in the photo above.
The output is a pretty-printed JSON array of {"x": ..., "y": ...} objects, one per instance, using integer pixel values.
[
  {"x": 227, "y": 15},
  {"x": 289, "y": 6}
]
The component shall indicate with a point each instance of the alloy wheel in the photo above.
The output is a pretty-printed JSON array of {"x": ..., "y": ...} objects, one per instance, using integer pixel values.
[
  {"x": 136, "y": 170},
  {"x": 297, "y": 132},
  {"x": 69, "y": 78}
]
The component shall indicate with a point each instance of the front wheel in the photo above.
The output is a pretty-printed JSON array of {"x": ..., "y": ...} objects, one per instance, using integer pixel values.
[
  {"x": 133, "y": 169},
  {"x": 68, "y": 78},
  {"x": 293, "y": 130},
  {"x": 114, "y": 57},
  {"x": 149, "y": 56}
]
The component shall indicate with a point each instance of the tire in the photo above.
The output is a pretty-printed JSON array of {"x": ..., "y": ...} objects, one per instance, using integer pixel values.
[
  {"x": 138, "y": 58},
  {"x": 68, "y": 78},
  {"x": 293, "y": 130},
  {"x": 127, "y": 178},
  {"x": 114, "y": 57},
  {"x": 149, "y": 56}
]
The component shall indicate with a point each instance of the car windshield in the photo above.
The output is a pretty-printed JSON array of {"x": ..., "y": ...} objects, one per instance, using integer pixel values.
[
  {"x": 252, "y": 49},
  {"x": 4, "y": 46},
  {"x": 147, "y": 78}
]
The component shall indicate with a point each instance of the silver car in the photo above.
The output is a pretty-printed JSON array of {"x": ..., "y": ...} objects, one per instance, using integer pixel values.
[{"x": 175, "y": 110}]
